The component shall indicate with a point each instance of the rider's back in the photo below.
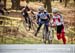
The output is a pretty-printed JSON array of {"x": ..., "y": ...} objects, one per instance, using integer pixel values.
[
  {"x": 58, "y": 19},
  {"x": 25, "y": 11},
  {"x": 43, "y": 15}
]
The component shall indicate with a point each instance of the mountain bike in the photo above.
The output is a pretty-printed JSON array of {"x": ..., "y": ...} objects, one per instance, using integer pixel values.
[
  {"x": 30, "y": 24},
  {"x": 48, "y": 36}
]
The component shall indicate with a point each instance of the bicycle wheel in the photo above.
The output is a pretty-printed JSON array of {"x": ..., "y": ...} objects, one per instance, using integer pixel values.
[
  {"x": 44, "y": 35},
  {"x": 26, "y": 25},
  {"x": 34, "y": 26},
  {"x": 49, "y": 37}
]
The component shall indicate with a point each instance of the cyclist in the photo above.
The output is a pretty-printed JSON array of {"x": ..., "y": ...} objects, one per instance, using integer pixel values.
[
  {"x": 42, "y": 18},
  {"x": 58, "y": 22},
  {"x": 26, "y": 15}
]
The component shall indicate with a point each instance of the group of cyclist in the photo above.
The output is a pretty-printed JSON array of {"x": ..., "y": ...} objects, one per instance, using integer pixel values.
[{"x": 43, "y": 17}]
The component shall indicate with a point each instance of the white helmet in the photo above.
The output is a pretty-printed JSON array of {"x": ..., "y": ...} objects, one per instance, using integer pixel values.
[
  {"x": 41, "y": 8},
  {"x": 54, "y": 10}
]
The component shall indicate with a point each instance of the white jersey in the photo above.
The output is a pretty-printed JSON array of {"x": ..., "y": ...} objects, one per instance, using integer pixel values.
[{"x": 58, "y": 20}]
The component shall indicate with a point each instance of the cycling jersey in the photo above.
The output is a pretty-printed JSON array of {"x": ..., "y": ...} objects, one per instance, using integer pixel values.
[
  {"x": 25, "y": 11},
  {"x": 43, "y": 18},
  {"x": 44, "y": 15},
  {"x": 58, "y": 19}
]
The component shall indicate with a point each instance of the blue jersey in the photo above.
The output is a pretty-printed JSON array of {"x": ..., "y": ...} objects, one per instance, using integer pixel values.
[
  {"x": 44, "y": 15},
  {"x": 43, "y": 18}
]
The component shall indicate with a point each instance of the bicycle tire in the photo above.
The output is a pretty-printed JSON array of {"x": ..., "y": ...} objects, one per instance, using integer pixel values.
[
  {"x": 34, "y": 26},
  {"x": 47, "y": 36},
  {"x": 26, "y": 25},
  {"x": 44, "y": 35}
]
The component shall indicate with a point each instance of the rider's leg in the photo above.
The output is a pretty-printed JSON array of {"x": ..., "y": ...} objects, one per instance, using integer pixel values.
[
  {"x": 38, "y": 29},
  {"x": 46, "y": 28},
  {"x": 63, "y": 38},
  {"x": 46, "y": 25},
  {"x": 25, "y": 18},
  {"x": 63, "y": 35},
  {"x": 58, "y": 36},
  {"x": 29, "y": 22},
  {"x": 59, "y": 32}
]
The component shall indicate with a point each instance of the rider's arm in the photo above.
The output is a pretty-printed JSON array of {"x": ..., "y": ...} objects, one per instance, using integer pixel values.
[
  {"x": 32, "y": 12},
  {"x": 48, "y": 16},
  {"x": 23, "y": 9},
  {"x": 38, "y": 17},
  {"x": 34, "y": 15},
  {"x": 62, "y": 20},
  {"x": 54, "y": 21}
]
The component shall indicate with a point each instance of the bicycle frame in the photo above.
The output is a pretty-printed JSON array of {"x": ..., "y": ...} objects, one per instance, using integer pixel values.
[{"x": 47, "y": 36}]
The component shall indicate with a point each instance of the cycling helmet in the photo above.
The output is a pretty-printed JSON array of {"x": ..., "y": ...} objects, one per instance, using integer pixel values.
[
  {"x": 55, "y": 10},
  {"x": 41, "y": 8}
]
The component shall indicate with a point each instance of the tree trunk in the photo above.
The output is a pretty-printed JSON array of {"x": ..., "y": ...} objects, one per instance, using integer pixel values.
[
  {"x": 15, "y": 4},
  {"x": 66, "y": 1},
  {"x": 61, "y": 1},
  {"x": 44, "y": 2},
  {"x": 27, "y": 1},
  {"x": 49, "y": 9},
  {"x": 5, "y": 3},
  {"x": 74, "y": 1},
  {"x": 0, "y": 0}
]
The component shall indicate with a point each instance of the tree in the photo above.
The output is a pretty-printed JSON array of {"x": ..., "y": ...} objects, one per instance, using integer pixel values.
[
  {"x": 44, "y": 2},
  {"x": 27, "y": 1},
  {"x": 47, "y": 4},
  {"x": 39, "y": 0},
  {"x": 5, "y": 3},
  {"x": 0, "y": 0},
  {"x": 66, "y": 1},
  {"x": 15, "y": 4},
  {"x": 74, "y": 1},
  {"x": 49, "y": 9},
  {"x": 61, "y": 1}
]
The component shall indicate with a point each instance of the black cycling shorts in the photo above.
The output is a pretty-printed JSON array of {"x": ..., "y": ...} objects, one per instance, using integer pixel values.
[{"x": 59, "y": 28}]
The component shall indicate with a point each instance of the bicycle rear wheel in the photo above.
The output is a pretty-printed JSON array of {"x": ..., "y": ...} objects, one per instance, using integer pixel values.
[
  {"x": 26, "y": 25},
  {"x": 49, "y": 37},
  {"x": 44, "y": 35}
]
